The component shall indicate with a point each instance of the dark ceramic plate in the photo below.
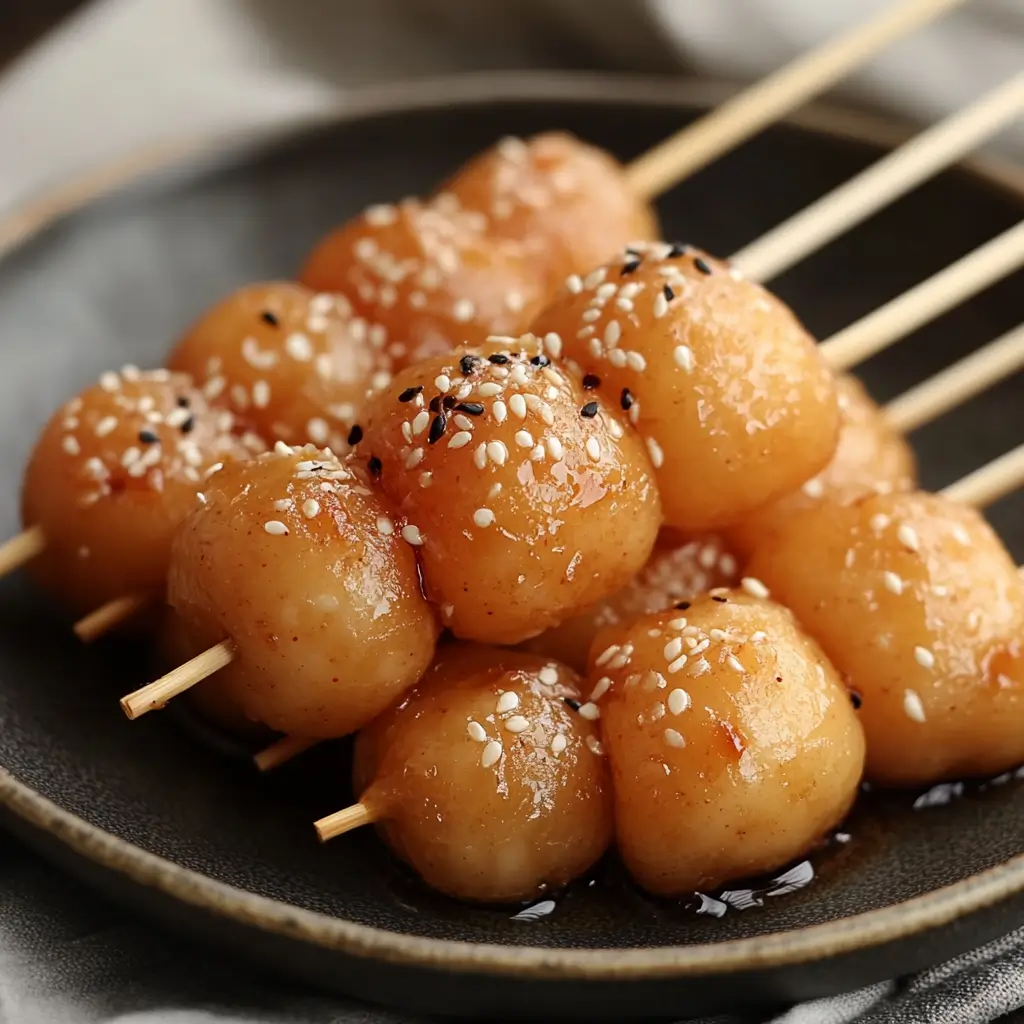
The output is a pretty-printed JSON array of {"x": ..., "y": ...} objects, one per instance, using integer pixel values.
[{"x": 161, "y": 821}]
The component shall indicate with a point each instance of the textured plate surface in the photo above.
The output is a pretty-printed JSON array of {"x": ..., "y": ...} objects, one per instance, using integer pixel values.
[{"x": 116, "y": 281}]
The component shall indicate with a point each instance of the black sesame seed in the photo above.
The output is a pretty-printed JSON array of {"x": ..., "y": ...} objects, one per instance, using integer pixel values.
[
  {"x": 448, "y": 402},
  {"x": 721, "y": 600},
  {"x": 702, "y": 266},
  {"x": 438, "y": 425},
  {"x": 540, "y": 360},
  {"x": 189, "y": 425},
  {"x": 574, "y": 704},
  {"x": 269, "y": 318},
  {"x": 498, "y": 359},
  {"x": 435, "y": 404},
  {"x": 470, "y": 408},
  {"x": 375, "y": 465},
  {"x": 856, "y": 700},
  {"x": 591, "y": 381},
  {"x": 589, "y": 410},
  {"x": 466, "y": 363},
  {"x": 678, "y": 249},
  {"x": 682, "y": 605},
  {"x": 626, "y": 399},
  {"x": 668, "y": 293},
  {"x": 355, "y": 435},
  {"x": 628, "y": 268},
  {"x": 184, "y": 401},
  {"x": 410, "y": 393},
  {"x": 148, "y": 437}
]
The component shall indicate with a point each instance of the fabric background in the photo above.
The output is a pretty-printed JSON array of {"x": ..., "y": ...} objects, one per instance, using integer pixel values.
[{"x": 149, "y": 70}]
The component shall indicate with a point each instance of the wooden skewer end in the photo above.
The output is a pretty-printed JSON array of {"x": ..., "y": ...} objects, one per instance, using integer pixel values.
[
  {"x": 184, "y": 677},
  {"x": 343, "y": 821},
  {"x": 108, "y": 616},
  {"x": 281, "y": 751}
]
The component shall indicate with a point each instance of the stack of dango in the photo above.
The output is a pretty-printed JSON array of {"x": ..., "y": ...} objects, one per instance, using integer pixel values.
[{"x": 623, "y": 562}]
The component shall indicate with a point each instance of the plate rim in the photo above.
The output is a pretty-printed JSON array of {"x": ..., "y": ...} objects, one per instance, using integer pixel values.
[{"x": 784, "y": 948}]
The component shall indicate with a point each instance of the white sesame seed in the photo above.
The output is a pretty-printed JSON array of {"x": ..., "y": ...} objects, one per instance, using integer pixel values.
[
  {"x": 275, "y": 528},
  {"x": 734, "y": 663},
  {"x": 574, "y": 283},
  {"x": 702, "y": 646},
  {"x": 282, "y": 449},
  {"x": 105, "y": 426},
  {"x": 483, "y": 517},
  {"x": 594, "y": 746},
  {"x": 554, "y": 447},
  {"x": 442, "y": 382},
  {"x": 215, "y": 468},
  {"x": 907, "y": 536},
  {"x": 893, "y": 583},
  {"x": 318, "y": 430},
  {"x": 518, "y": 406},
  {"x": 463, "y": 311},
  {"x": 606, "y": 655},
  {"x": 814, "y": 488},
  {"x": 414, "y": 458},
  {"x": 411, "y": 534},
  {"x": 683, "y": 356},
  {"x": 558, "y": 743},
  {"x": 497, "y": 452},
  {"x": 298, "y": 346},
  {"x": 508, "y": 701},
  {"x": 476, "y": 732},
  {"x": 606, "y": 291},
  {"x": 595, "y": 277},
  {"x": 655, "y": 452},
  {"x": 524, "y": 439},
  {"x": 924, "y": 657},
  {"x": 514, "y": 301},
  {"x": 385, "y": 526},
  {"x": 678, "y": 701},
  {"x": 365, "y": 248},
  {"x": 553, "y": 343},
  {"x": 590, "y": 711},
  {"x": 548, "y": 675},
  {"x": 612, "y": 333},
  {"x": 635, "y": 361},
  {"x": 420, "y": 423},
  {"x": 489, "y": 389},
  {"x": 480, "y": 455},
  {"x": 70, "y": 445},
  {"x": 463, "y": 422},
  {"x": 593, "y": 447},
  {"x": 460, "y": 440},
  {"x": 381, "y": 215},
  {"x": 590, "y": 315},
  {"x": 110, "y": 382},
  {"x": 912, "y": 706},
  {"x": 678, "y": 664},
  {"x": 674, "y": 739},
  {"x": 491, "y": 754},
  {"x": 673, "y": 649},
  {"x": 517, "y": 724},
  {"x": 500, "y": 410},
  {"x": 626, "y": 305},
  {"x": 679, "y": 623},
  {"x": 660, "y": 305},
  {"x": 754, "y": 587}
]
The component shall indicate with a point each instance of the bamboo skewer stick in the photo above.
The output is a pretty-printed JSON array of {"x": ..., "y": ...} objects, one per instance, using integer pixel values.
[
  {"x": 990, "y": 483},
  {"x": 177, "y": 681},
  {"x": 894, "y": 175},
  {"x": 343, "y": 821},
  {"x": 92, "y": 626},
  {"x": 281, "y": 751},
  {"x": 957, "y": 383},
  {"x": 926, "y": 301},
  {"x": 771, "y": 98},
  {"x": 21, "y": 549}
]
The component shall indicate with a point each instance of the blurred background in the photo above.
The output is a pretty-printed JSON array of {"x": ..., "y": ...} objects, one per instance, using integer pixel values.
[{"x": 84, "y": 81}]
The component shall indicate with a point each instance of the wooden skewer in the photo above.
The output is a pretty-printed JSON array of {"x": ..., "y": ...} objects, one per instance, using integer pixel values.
[
  {"x": 177, "y": 681},
  {"x": 926, "y": 301},
  {"x": 109, "y": 615},
  {"x": 771, "y": 98},
  {"x": 888, "y": 179},
  {"x": 990, "y": 483},
  {"x": 956, "y": 384},
  {"x": 281, "y": 751},
  {"x": 343, "y": 821},
  {"x": 21, "y": 549}
]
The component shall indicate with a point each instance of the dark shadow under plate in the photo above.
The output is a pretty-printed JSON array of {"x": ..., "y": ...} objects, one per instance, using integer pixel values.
[{"x": 118, "y": 280}]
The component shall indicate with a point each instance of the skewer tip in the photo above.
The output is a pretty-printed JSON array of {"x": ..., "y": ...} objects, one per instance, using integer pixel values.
[
  {"x": 282, "y": 751},
  {"x": 343, "y": 821}
]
